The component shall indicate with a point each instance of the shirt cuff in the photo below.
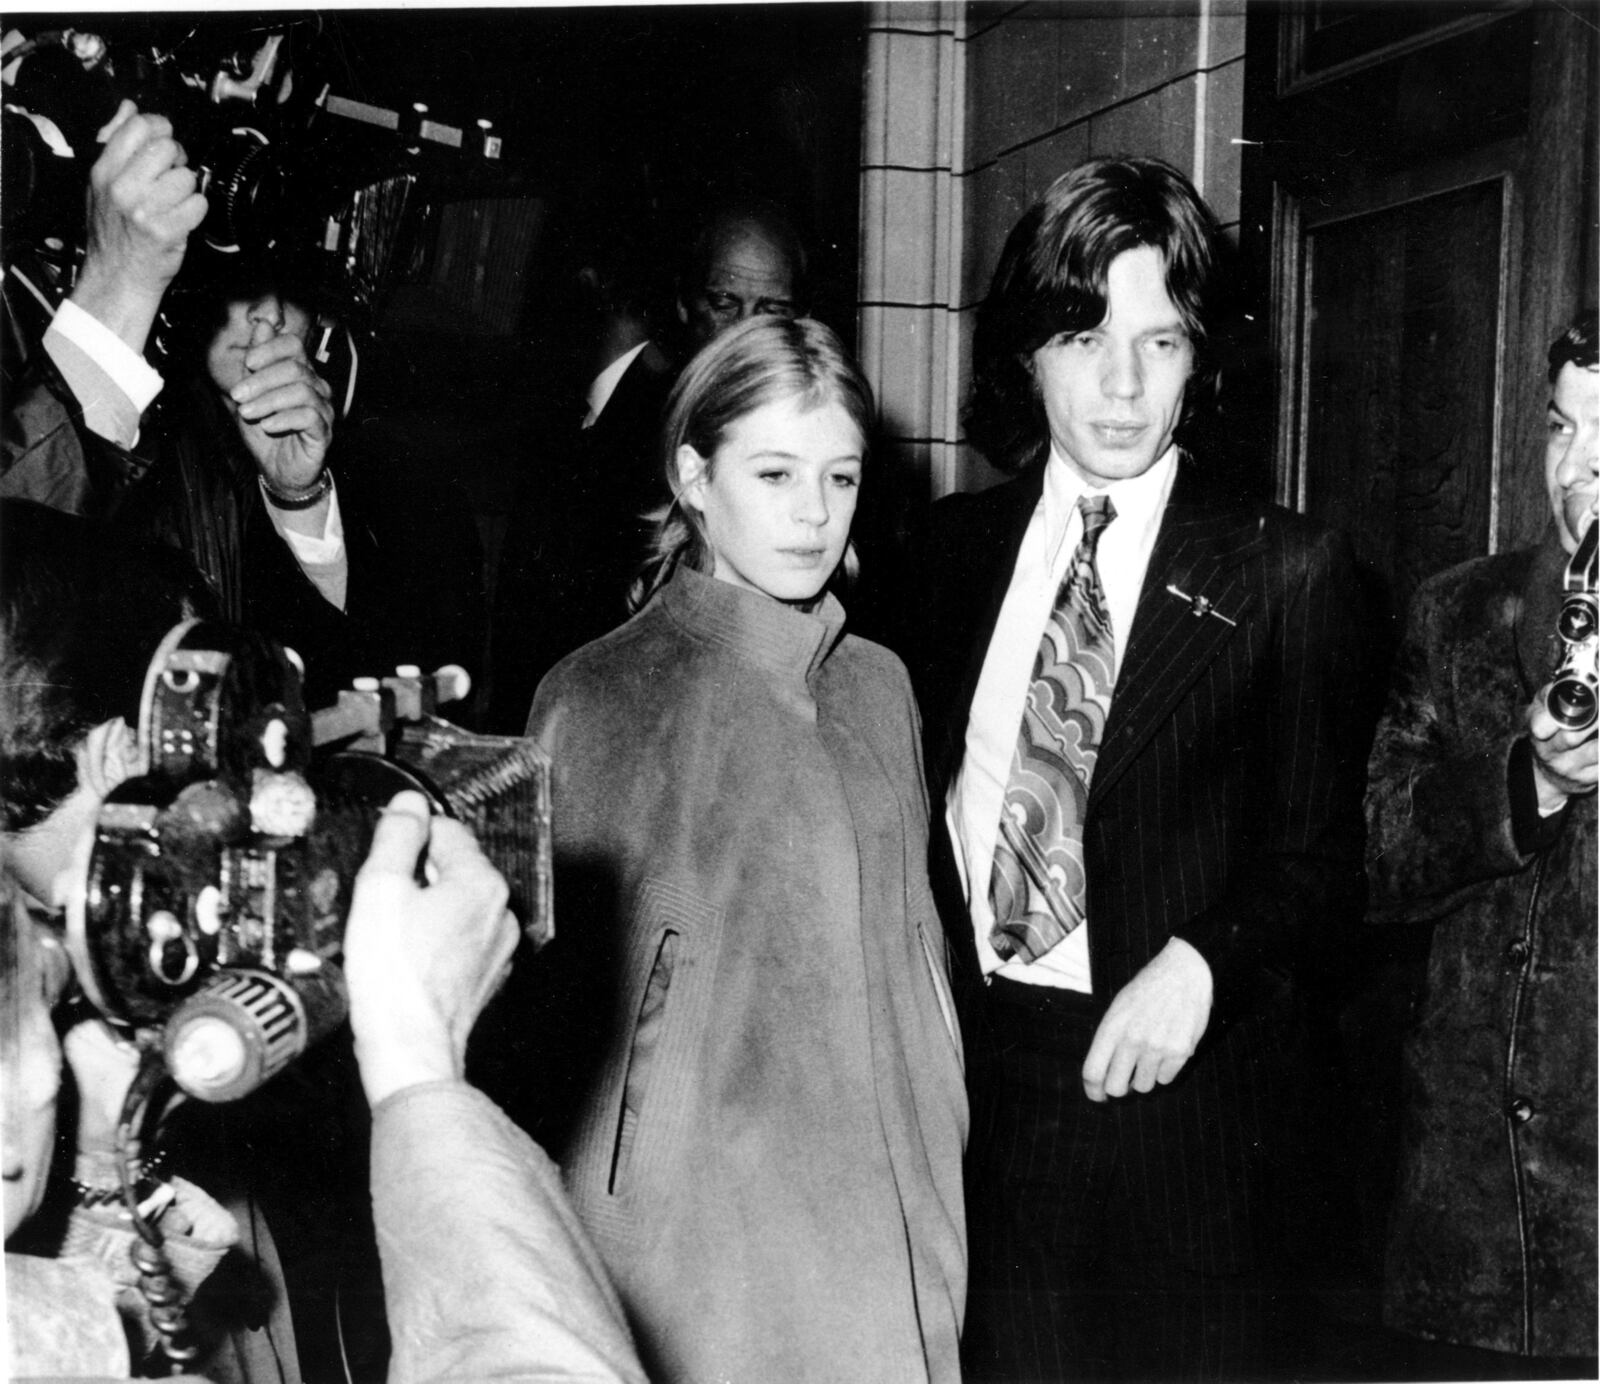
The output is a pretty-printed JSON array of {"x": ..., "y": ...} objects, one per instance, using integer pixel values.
[
  {"x": 312, "y": 549},
  {"x": 130, "y": 371}
]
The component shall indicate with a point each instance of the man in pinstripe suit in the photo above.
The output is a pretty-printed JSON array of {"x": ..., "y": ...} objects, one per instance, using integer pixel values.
[{"x": 1130, "y": 1063}]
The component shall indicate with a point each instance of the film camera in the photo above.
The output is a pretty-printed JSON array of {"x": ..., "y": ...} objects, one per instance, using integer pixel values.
[
  {"x": 212, "y": 901},
  {"x": 1571, "y": 699},
  {"x": 245, "y": 115}
]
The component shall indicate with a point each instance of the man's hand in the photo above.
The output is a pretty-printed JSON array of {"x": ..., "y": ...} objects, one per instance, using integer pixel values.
[
  {"x": 284, "y": 410},
  {"x": 422, "y": 962},
  {"x": 1153, "y": 1025},
  {"x": 1565, "y": 762},
  {"x": 103, "y": 1067},
  {"x": 142, "y": 205}
]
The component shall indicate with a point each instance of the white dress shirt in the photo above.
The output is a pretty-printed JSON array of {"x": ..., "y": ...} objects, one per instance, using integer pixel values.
[
  {"x": 976, "y": 797},
  {"x": 112, "y": 382},
  {"x": 605, "y": 383},
  {"x": 322, "y": 557}
]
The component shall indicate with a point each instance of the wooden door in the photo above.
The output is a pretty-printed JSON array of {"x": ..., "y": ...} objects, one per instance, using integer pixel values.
[
  {"x": 1419, "y": 209},
  {"x": 1417, "y": 222}
]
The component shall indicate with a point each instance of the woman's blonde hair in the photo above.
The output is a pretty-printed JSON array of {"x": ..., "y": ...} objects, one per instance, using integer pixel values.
[{"x": 757, "y": 363}]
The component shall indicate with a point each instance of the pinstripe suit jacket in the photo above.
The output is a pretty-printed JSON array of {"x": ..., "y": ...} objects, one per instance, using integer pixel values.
[{"x": 1225, "y": 806}]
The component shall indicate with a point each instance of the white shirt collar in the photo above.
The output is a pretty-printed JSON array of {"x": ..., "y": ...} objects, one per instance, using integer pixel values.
[
  {"x": 606, "y": 382},
  {"x": 1140, "y": 502}
]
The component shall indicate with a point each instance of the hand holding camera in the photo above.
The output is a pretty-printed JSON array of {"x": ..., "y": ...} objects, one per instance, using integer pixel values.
[
  {"x": 422, "y": 961},
  {"x": 143, "y": 203},
  {"x": 1566, "y": 762},
  {"x": 1563, "y": 717}
]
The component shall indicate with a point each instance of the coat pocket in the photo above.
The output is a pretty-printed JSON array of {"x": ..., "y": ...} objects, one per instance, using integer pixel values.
[
  {"x": 644, "y": 1111},
  {"x": 939, "y": 977}
]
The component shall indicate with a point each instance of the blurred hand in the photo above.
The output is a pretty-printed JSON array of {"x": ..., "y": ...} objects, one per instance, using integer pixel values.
[
  {"x": 421, "y": 962},
  {"x": 1566, "y": 763},
  {"x": 143, "y": 203},
  {"x": 103, "y": 1067}
]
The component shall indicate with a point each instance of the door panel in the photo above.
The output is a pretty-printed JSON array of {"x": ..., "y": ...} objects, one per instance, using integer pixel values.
[
  {"x": 1398, "y": 391},
  {"x": 1418, "y": 199}
]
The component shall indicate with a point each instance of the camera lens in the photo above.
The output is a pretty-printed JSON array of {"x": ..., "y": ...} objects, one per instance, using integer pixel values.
[{"x": 245, "y": 190}]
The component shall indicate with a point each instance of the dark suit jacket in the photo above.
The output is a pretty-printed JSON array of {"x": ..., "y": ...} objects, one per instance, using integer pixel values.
[
  {"x": 1225, "y": 806},
  {"x": 576, "y": 538}
]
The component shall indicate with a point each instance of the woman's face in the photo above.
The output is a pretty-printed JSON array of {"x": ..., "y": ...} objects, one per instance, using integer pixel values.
[
  {"x": 30, "y": 1062},
  {"x": 778, "y": 497}
]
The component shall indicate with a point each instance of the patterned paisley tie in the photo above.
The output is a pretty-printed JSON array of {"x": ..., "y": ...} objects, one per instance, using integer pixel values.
[{"x": 1037, "y": 888}]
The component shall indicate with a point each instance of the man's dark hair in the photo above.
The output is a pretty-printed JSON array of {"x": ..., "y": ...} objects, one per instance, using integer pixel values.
[
  {"x": 760, "y": 212},
  {"x": 1052, "y": 279},
  {"x": 1576, "y": 345},
  {"x": 81, "y": 612}
]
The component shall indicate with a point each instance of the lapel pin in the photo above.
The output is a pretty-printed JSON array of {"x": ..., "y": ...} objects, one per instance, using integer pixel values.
[{"x": 1200, "y": 606}]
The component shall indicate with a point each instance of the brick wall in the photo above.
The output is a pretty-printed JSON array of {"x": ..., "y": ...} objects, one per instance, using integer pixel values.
[{"x": 970, "y": 112}]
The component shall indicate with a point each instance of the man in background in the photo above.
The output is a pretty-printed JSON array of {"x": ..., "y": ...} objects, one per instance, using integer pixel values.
[
  {"x": 1482, "y": 819},
  {"x": 744, "y": 260},
  {"x": 579, "y": 529}
]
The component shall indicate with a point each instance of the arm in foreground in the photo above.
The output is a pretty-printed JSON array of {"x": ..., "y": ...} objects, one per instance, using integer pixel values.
[{"x": 487, "y": 1271}]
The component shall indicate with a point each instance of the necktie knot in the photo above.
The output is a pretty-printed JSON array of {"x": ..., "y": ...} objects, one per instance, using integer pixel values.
[{"x": 1097, "y": 512}]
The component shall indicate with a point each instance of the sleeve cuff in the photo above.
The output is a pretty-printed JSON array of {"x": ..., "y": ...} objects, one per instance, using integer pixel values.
[{"x": 123, "y": 366}]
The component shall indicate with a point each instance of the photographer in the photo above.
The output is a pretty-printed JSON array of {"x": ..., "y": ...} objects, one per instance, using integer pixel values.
[
  {"x": 485, "y": 1270},
  {"x": 80, "y": 616},
  {"x": 1482, "y": 816}
]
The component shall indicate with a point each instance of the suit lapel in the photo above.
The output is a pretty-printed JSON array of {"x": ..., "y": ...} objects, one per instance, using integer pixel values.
[{"x": 1203, "y": 550}]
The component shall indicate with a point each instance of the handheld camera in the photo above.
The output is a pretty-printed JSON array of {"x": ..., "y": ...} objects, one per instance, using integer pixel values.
[
  {"x": 1571, "y": 699},
  {"x": 213, "y": 896}
]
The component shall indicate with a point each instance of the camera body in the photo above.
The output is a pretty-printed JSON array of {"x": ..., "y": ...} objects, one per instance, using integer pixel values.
[
  {"x": 1572, "y": 699},
  {"x": 212, "y": 902},
  {"x": 247, "y": 124}
]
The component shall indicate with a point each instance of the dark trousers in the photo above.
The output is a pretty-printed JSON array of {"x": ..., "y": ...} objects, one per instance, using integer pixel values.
[{"x": 1072, "y": 1273}]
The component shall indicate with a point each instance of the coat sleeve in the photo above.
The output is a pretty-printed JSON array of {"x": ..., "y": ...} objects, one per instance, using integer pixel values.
[
  {"x": 1439, "y": 796},
  {"x": 1306, "y": 883},
  {"x": 487, "y": 1272},
  {"x": 51, "y": 456}
]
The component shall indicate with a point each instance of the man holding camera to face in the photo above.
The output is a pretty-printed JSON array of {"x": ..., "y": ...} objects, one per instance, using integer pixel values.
[
  {"x": 486, "y": 1272},
  {"x": 1481, "y": 807}
]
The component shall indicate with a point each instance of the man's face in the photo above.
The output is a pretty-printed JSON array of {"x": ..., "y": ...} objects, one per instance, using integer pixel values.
[
  {"x": 1113, "y": 395},
  {"x": 251, "y": 321},
  {"x": 748, "y": 276},
  {"x": 30, "y": 1062},
  {"x": 1572, "y": 451}
]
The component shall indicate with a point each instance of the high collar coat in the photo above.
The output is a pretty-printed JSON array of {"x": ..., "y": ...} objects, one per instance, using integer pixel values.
[{"x": 769, "y": 1157}]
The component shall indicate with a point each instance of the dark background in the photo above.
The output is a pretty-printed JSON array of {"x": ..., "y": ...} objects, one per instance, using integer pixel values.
[{"x": 641, "y": 112}]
